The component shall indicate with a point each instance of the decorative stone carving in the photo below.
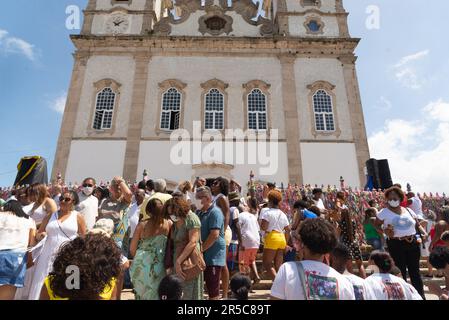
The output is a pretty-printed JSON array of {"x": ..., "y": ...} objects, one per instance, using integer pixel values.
[
  {"x": 215, "y": 22},
  {"x": 162, "y": 27},
  {"x": 245, "y": 8},
  {"x": 267, "y": 28},
  {"x": 319, "y": 23}
]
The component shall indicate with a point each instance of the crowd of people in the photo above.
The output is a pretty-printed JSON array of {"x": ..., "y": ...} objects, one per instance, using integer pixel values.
[{"x": 203, "y": 239}]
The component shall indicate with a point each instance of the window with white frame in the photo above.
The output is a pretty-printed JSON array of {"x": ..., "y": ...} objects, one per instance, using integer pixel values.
[
  {"x": 214, "y": 110},
  {"x": 104, "y": 109},
  {"x": 257, "y": 110},
  {"x": 171, "y": 109},
  {"x": 324, "y": 114}
]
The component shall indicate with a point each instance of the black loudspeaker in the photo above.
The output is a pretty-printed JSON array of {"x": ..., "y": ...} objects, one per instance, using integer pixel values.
[
  {"x": 372, "y": 167},
  {"x": 384, "y": 174},
  {"x": 379, "y": 170}
]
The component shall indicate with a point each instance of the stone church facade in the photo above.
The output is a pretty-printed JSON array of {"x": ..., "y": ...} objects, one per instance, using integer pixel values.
[{"x": 145, "y": 68}]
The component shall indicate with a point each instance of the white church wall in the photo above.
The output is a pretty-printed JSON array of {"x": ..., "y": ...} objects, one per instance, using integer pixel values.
[
  {"x": 190, "y": 27},
  {"x": 310, "y": 70},
  {"x": 102, "y": 160},
  {"x": 134, "y": 5},
  {"x": 194, "y": 71},
  {"x": 155, "y": 156},
  {"x": 119, "y": 69},
  {"x": 297, "y": 28},
  {"x": 324, "y": 163},
  {"x": 99, "y": 24}
]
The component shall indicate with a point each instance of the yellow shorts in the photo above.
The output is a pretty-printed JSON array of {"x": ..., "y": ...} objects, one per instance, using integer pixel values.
[
  {"x": 228, "y": 236},
  {"x": 275, "y": 241}
]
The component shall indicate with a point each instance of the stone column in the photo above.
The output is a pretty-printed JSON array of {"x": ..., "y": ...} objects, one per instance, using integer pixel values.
[
  {"x": 282, "y": 18},
  {"x": 89, "y": 17},
  {"x": 70, "y": 113},
  {"x": 342, "y": 19},
  {"x": 356, "y": 113},
  {"x": 291, "y": 118},
  {"x": 148, "y": 15},
  {"x": 142, "y": 60}
]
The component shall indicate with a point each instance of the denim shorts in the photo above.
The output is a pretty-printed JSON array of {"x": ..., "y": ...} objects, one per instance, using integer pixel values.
[{"x": 13, "y": 266}]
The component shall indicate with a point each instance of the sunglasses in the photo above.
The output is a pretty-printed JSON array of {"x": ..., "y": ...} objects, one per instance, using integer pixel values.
[
  {"x": 88, "y": 185},
  {"x": 63, "y": 199}
]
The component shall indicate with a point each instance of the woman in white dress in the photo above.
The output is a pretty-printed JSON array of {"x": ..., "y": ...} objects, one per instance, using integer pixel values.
[
  {"x": 56, "y": 229},
  {"x": 43, "y": 204}
]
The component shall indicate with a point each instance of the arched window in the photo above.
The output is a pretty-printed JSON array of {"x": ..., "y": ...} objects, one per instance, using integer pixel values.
[
  {"x": 214, "y": 110},
  {"x": 171, "y": 109},
  {"x": 257, "y": 110},
  {"x": 104, "y": 109},
  {"x": 323, "y": 109}
]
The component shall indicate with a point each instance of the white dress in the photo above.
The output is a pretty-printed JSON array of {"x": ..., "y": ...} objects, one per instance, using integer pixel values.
[
  {"x": 57, "y": 234},
  {"x": 38, "y": 215}
]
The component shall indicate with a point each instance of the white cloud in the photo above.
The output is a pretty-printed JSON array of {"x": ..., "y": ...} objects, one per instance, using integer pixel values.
[
  {"x": 3, "y": 33},
  {"x": 418, "y": 151},
  {"x": 406, "y": 72},
  {"x": 58, "y": 104},
  {"x": 438, "y": 110},
  {"x": 13, "y": 45},
  {"x": 413, "y": 57}
]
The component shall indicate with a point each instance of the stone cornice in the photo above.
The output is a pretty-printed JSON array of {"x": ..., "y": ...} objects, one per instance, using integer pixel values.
[
  {"x": 266, "y": 45},
  {"x": 312, "y": 11}
]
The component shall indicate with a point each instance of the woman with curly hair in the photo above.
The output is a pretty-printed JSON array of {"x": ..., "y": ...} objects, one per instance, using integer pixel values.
[
  {"x": 186, "y": 237},
  {"x": 400, "y": 225},
  {"x": 98, "y": 264},
  {"x": 277, "y": 227},
  {"x": 148, "y": 248}
]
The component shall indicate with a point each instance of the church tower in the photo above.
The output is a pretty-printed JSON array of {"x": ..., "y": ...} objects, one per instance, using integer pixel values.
[{"x": 146, "y": 68}]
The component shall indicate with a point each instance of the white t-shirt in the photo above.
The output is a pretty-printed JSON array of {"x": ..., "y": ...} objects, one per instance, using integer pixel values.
[
  {"x": 88, "y": 208},
  {"x": 277, "y": 220},
  {"x": 133, "y": 217},
  {"x": 362, "y": 290},
  {"x": 404, "y": 224},
  {"x": 249, "y": 228},
  {"x": 319, "y": 204},
  {"x": 28, "y": 208},
  {"x": 15, "y": 232},
  {"x": 416, "y": 207},
  {"x": 322, "y": 283},
  {"x": 386, "y": 286}
]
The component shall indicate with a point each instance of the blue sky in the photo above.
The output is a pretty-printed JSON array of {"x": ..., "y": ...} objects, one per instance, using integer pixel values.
[{"x": 403, "y": 69}]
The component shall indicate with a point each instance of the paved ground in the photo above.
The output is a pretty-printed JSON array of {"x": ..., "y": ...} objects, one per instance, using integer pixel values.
[{"x": 258, "y": 295}]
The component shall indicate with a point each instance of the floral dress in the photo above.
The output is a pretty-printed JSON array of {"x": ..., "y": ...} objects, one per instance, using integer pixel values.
[
  {"x": 353, "y": 246},
  {"x": 193, "y": 290},
  {"x": 148, "y": 270}
]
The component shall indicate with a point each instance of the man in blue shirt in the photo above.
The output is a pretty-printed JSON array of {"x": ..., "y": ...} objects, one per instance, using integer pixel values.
[
  {"x": 301, "y": 213},
  {"x": 214, "y": 245}
]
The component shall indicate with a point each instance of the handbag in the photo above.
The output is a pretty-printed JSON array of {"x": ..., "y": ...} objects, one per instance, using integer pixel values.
[
  {"x": 418, "y": 232},
  {"x": 194, "y": 265}
]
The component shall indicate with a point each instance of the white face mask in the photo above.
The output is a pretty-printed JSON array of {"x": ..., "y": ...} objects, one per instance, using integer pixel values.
[
  {"x": 174, "y": 218},
  {"x": 394, "y": 203},
  {"x": 88, "y": 191}
]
